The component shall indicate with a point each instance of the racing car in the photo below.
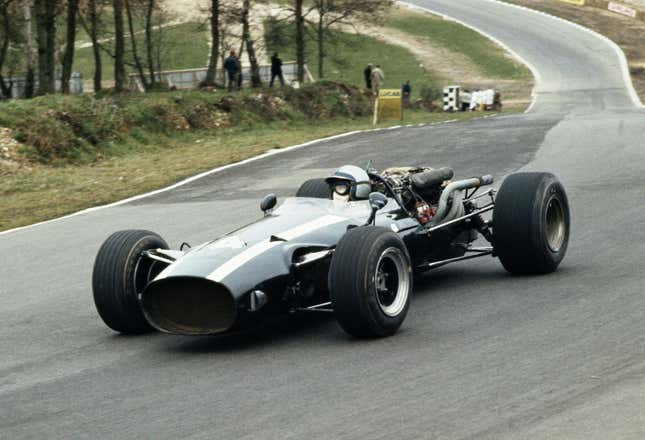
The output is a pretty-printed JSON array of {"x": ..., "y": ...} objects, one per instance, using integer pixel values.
[{"x": 350, "y": 244}]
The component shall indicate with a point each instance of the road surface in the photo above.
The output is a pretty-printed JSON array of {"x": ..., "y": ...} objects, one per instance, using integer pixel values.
[{"x": 481, "y": 355}]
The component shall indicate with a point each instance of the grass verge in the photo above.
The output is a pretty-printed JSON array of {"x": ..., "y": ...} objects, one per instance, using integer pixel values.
[{"x": 491, "y": 59}]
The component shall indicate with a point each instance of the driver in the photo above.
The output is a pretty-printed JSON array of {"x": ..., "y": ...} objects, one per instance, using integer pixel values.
[{"x": 350, "y": 183}]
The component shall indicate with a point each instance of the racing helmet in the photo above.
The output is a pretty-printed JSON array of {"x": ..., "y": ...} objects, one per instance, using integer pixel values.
[{"x": 350, "y": 183}]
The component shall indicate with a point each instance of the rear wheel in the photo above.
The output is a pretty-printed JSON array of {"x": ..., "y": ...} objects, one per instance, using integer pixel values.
[
  {"x": 316, "y": 188},
  {"x": 531, "y": 223},
  {"x": 370, "y": 282},
  {"x": 120, "y": 276}
]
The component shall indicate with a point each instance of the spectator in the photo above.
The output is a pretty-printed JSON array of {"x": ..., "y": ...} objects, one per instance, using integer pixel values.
[
  {"x": 377, "y": 79},
  {"x": 368, "y": 76},
  {"x": 232, "y": 67},
  {"x": 276, "y": 69},
  {"x": 407, "y": 93}
]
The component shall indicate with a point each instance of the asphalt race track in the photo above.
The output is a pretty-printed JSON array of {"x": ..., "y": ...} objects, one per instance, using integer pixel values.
[{"x": 481, "y": 355}]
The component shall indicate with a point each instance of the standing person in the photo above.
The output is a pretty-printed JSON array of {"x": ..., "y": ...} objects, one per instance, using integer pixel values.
[
  {"x": 276, "y": 69},
  {"x": 368, "y": 76},
  {"x": 240, "y": 76},
  {"x": 377, "y": 79},
  {"x": 407, "y": 93},
  {"x": 232, "y": 67}
]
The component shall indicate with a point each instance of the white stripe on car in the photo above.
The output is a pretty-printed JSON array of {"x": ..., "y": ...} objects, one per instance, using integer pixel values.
[{"x": 258, "y": 249}]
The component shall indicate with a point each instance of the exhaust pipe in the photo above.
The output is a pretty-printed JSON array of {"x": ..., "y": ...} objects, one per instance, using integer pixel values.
[{"x": 189, "y": 306}]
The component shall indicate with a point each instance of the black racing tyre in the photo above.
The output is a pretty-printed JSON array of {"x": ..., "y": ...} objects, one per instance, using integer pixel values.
[
  {"x": 531, "y": 223},
  {"x": 119, "y": 277},
  {"x": 370, "y": 282},
  {"x": 316, "y": 188}
]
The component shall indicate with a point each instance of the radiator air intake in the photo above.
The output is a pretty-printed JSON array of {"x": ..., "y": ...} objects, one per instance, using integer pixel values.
[{"x": 189, "y": 306}]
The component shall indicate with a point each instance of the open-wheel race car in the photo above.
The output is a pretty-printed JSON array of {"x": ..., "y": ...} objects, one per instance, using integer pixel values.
[{"x": 350, "y": 244}]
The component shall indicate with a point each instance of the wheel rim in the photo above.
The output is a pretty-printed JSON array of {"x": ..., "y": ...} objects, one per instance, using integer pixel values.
[
  {"x": 555, "y": 224},
  {"x": 392, "y": 282}
]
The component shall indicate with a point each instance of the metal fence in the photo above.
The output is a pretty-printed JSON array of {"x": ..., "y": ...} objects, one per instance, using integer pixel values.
[
  {"x": 191, "y": 78},
  {"x": 18, "y": 85}
]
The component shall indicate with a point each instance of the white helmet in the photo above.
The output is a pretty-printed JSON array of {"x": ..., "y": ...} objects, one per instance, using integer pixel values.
[{"x": 350, "y": 183}]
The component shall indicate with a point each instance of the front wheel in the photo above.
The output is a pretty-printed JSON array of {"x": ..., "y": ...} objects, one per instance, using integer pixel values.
[
  {"x": 370, "y": 282},
  {"x": 531, "y": 223},
  {"x": 120, "y": 276}
]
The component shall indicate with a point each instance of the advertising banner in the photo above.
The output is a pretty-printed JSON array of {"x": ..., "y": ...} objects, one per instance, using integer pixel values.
[{"x": 390, "y": 105}]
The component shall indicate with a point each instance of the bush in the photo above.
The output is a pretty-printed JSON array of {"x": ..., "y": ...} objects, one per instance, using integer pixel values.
[{"x": 70, "y": 129}]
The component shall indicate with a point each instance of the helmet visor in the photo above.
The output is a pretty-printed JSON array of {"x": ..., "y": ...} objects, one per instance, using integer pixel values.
[{"x": 341, "y": 188}]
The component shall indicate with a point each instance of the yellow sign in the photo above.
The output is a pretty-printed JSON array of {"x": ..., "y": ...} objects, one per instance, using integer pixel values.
[
  {"x": 390, "y": 105},
  {"x": 575, "y": 2}
]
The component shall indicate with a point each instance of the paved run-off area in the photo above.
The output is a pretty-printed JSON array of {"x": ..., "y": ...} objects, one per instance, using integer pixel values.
[{"x": 481, "y": 355}]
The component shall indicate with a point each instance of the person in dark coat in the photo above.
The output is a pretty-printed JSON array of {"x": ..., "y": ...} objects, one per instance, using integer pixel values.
[
  {"x": 232, "y": 67},
  {"x": 276, "y": 69},
  {"x": 368, "y": 76},
  {"x": 407, "y": 93}
]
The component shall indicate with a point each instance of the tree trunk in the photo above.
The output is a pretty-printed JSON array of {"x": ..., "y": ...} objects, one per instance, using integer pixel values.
[
  {"x": 256, "y": 80},
  {"x": 149, "y": 43},
  {"x": 321, "y": 44},
  {"x": 211, "y": 74},
  {"x": 300, "y": 40},
  {"x": 46, "y": 36},
  {"x": 6, "y": 24},
  {"x": 133, "y": 42},
  {"x": 96, "y": 49},
  {"x": 29, "y": 81},
  {"x": 119, "y": 47},
  {"x": 68, "y": 60}
]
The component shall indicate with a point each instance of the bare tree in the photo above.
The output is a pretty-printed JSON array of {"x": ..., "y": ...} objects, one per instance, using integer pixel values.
[
  {"x": 68, "y": 58},
  {"x": 29, "y": 80},
  {"x": 337, "y": 12},
  {"x": 300, "y": 38},
  {"x": 133, "y": 42},
  {"x": 150, "y": 9},
  {"x": 46, "y": 13},
  {"x": 247, "y": 41},
  {"x": 119, "y": 46},
  {"x": 7, "y": 36},
  {"x": 211, "y": 73},
  {"x": 90, "y": 18}
]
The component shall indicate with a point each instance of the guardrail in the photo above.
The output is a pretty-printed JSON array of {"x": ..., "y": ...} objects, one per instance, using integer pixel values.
[
  {"x": 189, "y": 79},
  {"x": 19, "y": 84}
]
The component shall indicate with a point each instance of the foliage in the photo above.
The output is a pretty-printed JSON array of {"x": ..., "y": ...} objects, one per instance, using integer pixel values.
[{"x": 81, "y": 129}]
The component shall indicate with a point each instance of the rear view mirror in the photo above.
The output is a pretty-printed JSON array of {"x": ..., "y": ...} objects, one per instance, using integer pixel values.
[
  {"x": 268, "y": 203},
  {"x": 378, "y": 201}
]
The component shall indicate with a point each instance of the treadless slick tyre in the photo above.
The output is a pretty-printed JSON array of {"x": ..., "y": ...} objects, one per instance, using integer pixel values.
[
  {"x": 316, "y": 188},
  {"x": 120, "y": 275},
  {"x": 531, "y": 223},
  {"x": 370, "y": 282}
]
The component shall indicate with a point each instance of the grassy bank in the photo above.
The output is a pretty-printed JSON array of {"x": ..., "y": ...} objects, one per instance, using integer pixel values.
[
  {"x": 60, "y": 130},
  {"x": 45, "y": 192},
  {"x": 492, "y": 60},
  {"x": 348, "y": 54}
]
